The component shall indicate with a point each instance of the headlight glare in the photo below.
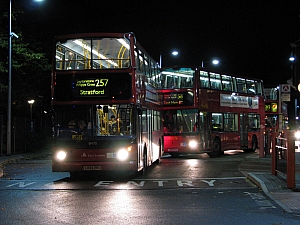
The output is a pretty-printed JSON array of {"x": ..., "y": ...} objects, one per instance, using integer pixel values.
[
  {"x": 122, "y": 154},
  {"x": 193, "y": 144},
  {"x": 61, "y": 155}
]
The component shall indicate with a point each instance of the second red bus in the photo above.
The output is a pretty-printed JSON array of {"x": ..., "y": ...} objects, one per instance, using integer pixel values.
[{"x": 206, "y": 111}]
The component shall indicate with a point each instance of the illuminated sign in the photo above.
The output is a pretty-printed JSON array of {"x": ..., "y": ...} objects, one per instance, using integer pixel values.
[
  {"x": 78, "y": 87},
  {"x": 173, "y": 99},
  {"x": 271, "y": 107},
  {"x": 178, "y": 99},
  {"x": 91, "y": 87},
  {"x": 238, "y": 101},
  {"x": 274, "y": 107}
]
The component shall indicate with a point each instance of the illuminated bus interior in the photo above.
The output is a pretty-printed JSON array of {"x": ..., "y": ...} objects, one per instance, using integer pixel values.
[
  {"x": 276, "y": 116},
  {"x": 184, "y": 78},
  {"x": 180, "y": 121},
  {"x": 222, "y": 82},
  {"x": 83, "y": 122},
  {"x": 181, "y": 78},
  {"x": 92, "y": 53}
]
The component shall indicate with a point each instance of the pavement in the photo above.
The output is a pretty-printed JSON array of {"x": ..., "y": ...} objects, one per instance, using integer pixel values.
[
  {"x": 256, "y": 169},
  {"x": 6, "y": 159},
  {"x": 259, "y": 171}
]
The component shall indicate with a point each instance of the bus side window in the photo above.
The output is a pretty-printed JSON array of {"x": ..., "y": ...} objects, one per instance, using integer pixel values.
[{"x": 226, "y": 127}]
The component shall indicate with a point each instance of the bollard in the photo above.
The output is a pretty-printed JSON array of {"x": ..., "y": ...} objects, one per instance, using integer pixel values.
[
  {"x": 274, "y": 153},
  {"x": 290, "y": 160},
  {"x": 261, "y": 144}
]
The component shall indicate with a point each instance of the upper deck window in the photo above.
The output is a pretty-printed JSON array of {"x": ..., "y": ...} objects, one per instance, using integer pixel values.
[
  {"x": 251, "y": 87},
  {"x": 174, "y": 78},
  {"x": 227, "y": 84},
  {"x": 241, "y": 85},
  {"x": 94, "y": 53},
  {"x": 215, "y": 81}
]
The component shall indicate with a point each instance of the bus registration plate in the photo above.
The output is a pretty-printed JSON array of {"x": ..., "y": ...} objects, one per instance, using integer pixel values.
[{"x": 92, "y": 167}]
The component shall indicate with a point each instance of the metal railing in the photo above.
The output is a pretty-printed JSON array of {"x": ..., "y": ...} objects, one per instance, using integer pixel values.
[
  {"x": 283, "y": 156},
  {"x": 20, "y": 128}
]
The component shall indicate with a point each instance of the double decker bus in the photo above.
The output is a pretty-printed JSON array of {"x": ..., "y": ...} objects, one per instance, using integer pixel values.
[
  {"x": 276, "y": 113},
  {"x": 207, "y": 111},
  {"x": 106, "y": 110}
]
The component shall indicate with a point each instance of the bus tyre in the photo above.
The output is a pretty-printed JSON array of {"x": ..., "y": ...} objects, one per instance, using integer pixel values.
[
  {"x": 216, "y": 151},
  {"x": 253, "y": 145}
]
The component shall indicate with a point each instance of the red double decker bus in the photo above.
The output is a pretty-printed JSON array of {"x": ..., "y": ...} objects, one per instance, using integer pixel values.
[
  {"x": 206, "y": 111},
  {"x": 276, "y": 114},
  {"x": 106, "y": 110}
]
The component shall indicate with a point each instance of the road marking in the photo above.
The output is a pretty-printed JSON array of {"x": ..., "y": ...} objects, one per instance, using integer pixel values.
[
  {"x": 21, "y": 184},
  {"x": 261, "y": 200},
  {"x": 227, "y": 182},
  {"x": 103, "y": 183},
  {"x": 210, "y": 183}
]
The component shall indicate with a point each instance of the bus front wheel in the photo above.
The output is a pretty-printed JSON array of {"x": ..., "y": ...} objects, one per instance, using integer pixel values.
[{"x": 216, "y": 151}]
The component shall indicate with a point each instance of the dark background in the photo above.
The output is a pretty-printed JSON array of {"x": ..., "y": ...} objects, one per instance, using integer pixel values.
[{"x": 250, "y": 38}]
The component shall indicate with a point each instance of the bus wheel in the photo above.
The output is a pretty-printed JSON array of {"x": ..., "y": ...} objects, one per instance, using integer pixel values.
[
  {"x": 253, "y": 145},
  {"x": 216, "y": 151}
]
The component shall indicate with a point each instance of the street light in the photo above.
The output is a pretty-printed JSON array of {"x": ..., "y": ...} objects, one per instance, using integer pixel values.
[
  {"x": 214, "y": 62},
  {"x": 31, "y": 121},
  {"x": 174, "y": 53},
  {"x": 292, "y": 104},
  {"x": 10, "y": 35},
  {"x": 292, "y": 59}
]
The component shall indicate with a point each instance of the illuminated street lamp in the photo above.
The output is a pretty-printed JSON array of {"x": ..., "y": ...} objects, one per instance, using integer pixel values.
[
  {"x": 10, "y": 35},
  {"x": 174, "y": 53},
  {"x": 30, "y": 102},
  {"x": 292, "y": 59},
  {"x": 214, "y": 62}
]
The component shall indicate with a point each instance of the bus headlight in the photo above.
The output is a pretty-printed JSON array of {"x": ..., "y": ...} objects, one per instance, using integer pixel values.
[
  {"x": 61, "y": 155},
  {"x": 122, "y": 154},
  {"x": 193, "y": 144},
  {"x": 297, "y": 134}
]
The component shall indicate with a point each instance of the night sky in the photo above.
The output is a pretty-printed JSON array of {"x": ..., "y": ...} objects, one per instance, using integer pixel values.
[{"x": 250, "y": 38}]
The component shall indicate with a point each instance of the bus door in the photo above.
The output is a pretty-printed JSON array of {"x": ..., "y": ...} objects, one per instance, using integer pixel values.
[
  {"x": 149, "y": 128},
  {"x": 204, "y": 130},
  {"x": 244, "y": 129},
  {"x": 139, "y": 135}
]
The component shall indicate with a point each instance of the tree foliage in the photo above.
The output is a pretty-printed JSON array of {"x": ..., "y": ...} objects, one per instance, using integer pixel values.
[{"x": 30, "y": 68}]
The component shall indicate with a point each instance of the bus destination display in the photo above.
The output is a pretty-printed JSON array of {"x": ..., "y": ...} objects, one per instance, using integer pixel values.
[
  {"x": 91, "y": 87},
  {"x": 178, "y": 99},
  {"x": 173, "y": 99}
]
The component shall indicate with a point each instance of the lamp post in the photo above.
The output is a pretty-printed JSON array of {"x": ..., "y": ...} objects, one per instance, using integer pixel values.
[
  {"x": 174, "y": 53},
  {"x": 31, "y": 121},
  {"x": 214, "y": 62},
  {"x": 292, "y": 105},
  {"x": 10, "y": 35}
]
